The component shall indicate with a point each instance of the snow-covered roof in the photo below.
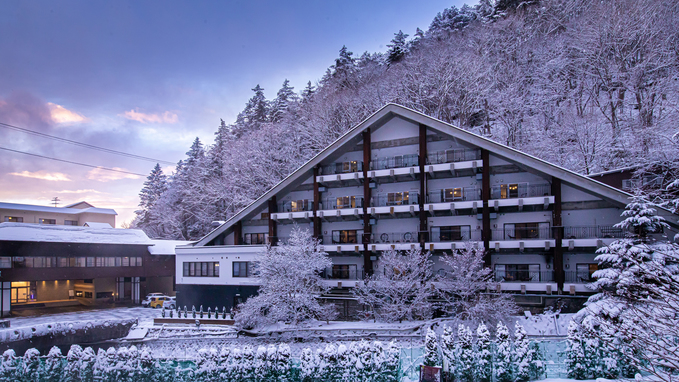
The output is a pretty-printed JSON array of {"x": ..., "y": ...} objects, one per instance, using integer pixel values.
[
  {"x": 614, "y": 171},
  {"x": 83, "y": 203},
  {"x": 57, "y": 210},
  {"x": 96, "y": 225},
  {"x": 165, "y": 247},
  {"x": 44, "y": 233},
  {"x": 392, "y": 110}
]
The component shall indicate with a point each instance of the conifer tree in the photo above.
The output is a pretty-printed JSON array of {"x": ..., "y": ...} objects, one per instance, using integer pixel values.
[
  {"x": 53, "y": 366},
  {"x": 284, "y": 98},
  {"x": 398, "y": 47},
  {"x": 576, "y": 363},
  {"x": 30, "y": 370},
  {"x": 73, "y": 364},
  {"x": 464, "y": 354},
  {"x": 448, "y": 349},
  {"x": 308, "y": 92},
  {"x": 484, "y": 357},
  {"x": 503, "y": 354},
  {"x": 154, "y": 186},
  {"x": 431, "y": 349},
  {"x": 521, "y": 354}
]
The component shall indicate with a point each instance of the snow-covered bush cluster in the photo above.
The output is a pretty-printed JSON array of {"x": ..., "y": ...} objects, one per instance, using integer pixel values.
[
  {"x": 359, "y": 361},
  {"x": 466, "y": 358}
]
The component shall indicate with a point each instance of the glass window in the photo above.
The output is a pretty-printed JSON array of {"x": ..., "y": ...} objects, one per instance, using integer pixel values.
[
  {"x": 186, "y": 269},
  {"x": 5, "y": 262},
  {"x": 240, "y": 269},
  {"x": 344, "y": 271},
  {"x": 100, "y": 262},
  {"x": 63, "y": 262},
  {"x": 210, "y": 269},
  {"x": 192, "y": 269},
  {"x": 203, "y": 267},
  {"x": 80, "y": 262},
  {"x": 71, "y": 222},
  {"x": 126, "y": 261},
  {"x": 110, "y": 261},
  {"x": 90, "y": 262},
  {"x": 14, "y": 219},
  {"x": 216, "y": 269},
  {"x": 584, "y": 272},
  {"x": 88, "y": 294},
  {"x": 48, "y": 221},
  {"x": 139, "y": 262},
  {"x": 119, "y": 261}
]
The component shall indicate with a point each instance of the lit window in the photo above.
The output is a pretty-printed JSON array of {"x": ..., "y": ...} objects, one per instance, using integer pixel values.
[
  {"x": 48, "y": 221},
  {"x": 14, "y": 219}
]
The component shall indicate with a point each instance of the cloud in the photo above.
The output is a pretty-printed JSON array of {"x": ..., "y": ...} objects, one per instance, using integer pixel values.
[
  {"x": 88, "y": 191},
  {"x": 61, "y": 114},
  {"x": 166, "y": 117},
  {"x": 54, "y": 176},
  {"x": 102, "y": 175}
]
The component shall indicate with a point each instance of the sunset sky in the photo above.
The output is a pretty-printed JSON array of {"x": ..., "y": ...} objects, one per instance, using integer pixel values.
[{"x": 148, "y": 77}]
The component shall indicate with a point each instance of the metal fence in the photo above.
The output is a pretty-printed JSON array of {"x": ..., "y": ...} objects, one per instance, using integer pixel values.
[
  {"x": 397, "y": 161},
  {"x": 453, "y": 155}
]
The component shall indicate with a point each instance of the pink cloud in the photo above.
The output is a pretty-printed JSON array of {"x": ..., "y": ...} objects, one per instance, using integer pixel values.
[{"x": 166, "y": 117}]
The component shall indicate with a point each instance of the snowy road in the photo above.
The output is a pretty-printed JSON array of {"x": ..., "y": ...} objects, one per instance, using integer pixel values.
[{"x": 145, "y": 315}]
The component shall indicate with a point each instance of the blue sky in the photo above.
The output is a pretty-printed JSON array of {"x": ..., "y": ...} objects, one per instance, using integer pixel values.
[{"x": 147, "y": 77}]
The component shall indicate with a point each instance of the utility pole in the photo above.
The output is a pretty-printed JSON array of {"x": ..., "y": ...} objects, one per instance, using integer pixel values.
[{"x": 55, "y": 200}]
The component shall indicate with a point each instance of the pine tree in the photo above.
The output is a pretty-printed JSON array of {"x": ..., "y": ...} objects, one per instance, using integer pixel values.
[
  {"x": 308, "y": 367},
  {"x": 398, "y": 47},
  {"x": 344, "y": 67},
  {"x": 308, "y": 92},
  {"x": 641, "y": 218},
  {"x": 257, "y": 109},
  {"x": 521, "y": 354},
  {"x": 576, "y": 364},
  {"x": 284, "y": 98},
  {"x": 9, "y": 368},
  {"x": 73, "y": 364},
  {"x": 484, "y": 356},
  {"x": 154, "y": 186},
  {"x": 448, "y": 349},
  {"x": 431, "y": 349},
  {"x": 464, "y": 354},
  {"x": 503, "y": 354},
  {"x": 536, "y": 360}
]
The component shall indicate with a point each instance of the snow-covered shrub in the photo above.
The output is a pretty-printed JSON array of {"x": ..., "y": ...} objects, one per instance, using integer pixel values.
[
  {"x": 464, "y": 353},
  {"x": 206, "y": 365},
  {"x": 148, "y": 366},
  {"x": 261, "y": 363},
  {"x": 283, "y": 365},
  {"x": 328, "y": 361},
  {"x": 431, "y": 349},
  {"x": 308, "y": 365},
  {"x": 503, "y": 354},
  {"x": 30, "y": 370},
  {"x": 9, "y": 369},
  {"x": 536, "y": 361},
  {"x": 576, "y": 364},
  {"x": 448, "y": 350},
  {"x": 343, "y": 369},
  {"x": 483, "y": 371},
  {"x": 53, "y": 366},
  {"x": 193, "y": 311},
  {"x": 247, "y": 366},
  {"x": 73, "y": 364},
  {"x": 521, "y": 357},
  {"x": 87, "y": 362}
]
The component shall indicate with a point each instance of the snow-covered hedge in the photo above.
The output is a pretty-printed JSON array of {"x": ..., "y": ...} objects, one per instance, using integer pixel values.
[{"x": 359, "y": 361}]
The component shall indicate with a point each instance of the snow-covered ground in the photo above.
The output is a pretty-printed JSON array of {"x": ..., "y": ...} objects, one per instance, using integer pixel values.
[{"x": 144, "y": 315}]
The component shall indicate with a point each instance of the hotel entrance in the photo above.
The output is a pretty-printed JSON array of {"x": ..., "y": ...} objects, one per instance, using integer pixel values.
[{"x": 23, "y": 292}]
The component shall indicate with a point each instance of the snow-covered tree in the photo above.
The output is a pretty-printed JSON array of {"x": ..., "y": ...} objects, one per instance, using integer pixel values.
[
  {"x": 284, "y": 98},
  {"x": 398, "y": 47},
  {"x": 503, "y": 354},
  {"x": 53, "y": 366},
  {"x": 154, "y": 186},
  {"x": 464, "y": 285},
  {"x": 10, "y": 366},
  {"x": 464, "y": 351},
  {"x": 308, "y": 367},
  {"x": 73, "y": 364},
  {"x": 87, "y": 362},
  {"x": 641, "y": 218},
  {"x": 400, "y": 289},
  {"x": 30, "y": 370},
  {"x": 289, "y": 279},
  {"x": 576, "y": 364},
  {"x": 448, "y": 350},
  {"x": 431, "y": 349},
  {"x": 483, "y": 360},
  {"x": 521, "y": 356}
]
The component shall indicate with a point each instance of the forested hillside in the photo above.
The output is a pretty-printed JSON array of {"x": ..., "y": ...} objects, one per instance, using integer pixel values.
[{"x": 590, "y": 85}]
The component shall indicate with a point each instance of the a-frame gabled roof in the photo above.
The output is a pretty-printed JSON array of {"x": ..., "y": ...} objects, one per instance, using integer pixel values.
[{"x": 390, "y": 111}]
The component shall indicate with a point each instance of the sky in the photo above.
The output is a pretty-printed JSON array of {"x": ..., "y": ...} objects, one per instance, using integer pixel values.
[{"x": 148, "y": 77}]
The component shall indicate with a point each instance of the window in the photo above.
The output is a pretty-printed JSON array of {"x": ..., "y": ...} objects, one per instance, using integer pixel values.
[
  {"x": 80, "y": 262},
  {"x": 201, "y": 269},
  {"x": 100, "y": 262},
  {"x": 451, "y": 194},
  {"x": 398, "y": 198},
  {"x": 78, "y": 293},
  {"x": 265, "y": 216},
  {"x": 526, "y": 231},
  {"x": 63, "y": 262},
  {"x": 256, "y": 238},
  {"x": 88, "y": 294},
  {"x": 241, "y": 269},
  {"x": 509, "y": 191},
  {"x": 104, "y": 294},
  {"x": 90, "y": 262},
  {"x": 344, "y": 271},
  {"x": 5, "y": 262},
  {"x": 451, "y": 233},
  {"x": 139, "y": 264},
  {"x": 126, "y": 261},
  {"x": 48, "y": 221},
  {"x": 349, "y": 202},
  {"x": 299, "y": 205},
  {"x": 347, "y": 236},
  {"x": 119, "y": 261},
  {"x": 584, "y": 272},
  {"x": 70, "y": 222},
  {"x": 14, "y": 219},
  {"x": 517, "y": 272},
  {"x": 351, "y": 166}
]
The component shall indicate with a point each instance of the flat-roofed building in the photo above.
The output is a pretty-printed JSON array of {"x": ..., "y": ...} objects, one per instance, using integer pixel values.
[{"x": 76, "y": 214}]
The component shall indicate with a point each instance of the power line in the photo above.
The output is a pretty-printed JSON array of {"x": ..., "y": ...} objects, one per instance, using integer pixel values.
[
  {"x": 81, "y": 144},
  {"x": 71, "y": 162}
]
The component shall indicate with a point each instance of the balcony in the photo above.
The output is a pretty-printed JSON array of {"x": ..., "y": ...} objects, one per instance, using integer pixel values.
[
  {"x": 396, "y": 204},
  {"x": 593, "y": 232},
  {"x": 524, "y": 276},
  {"x": 342, "y": 168},
  {"x": 294, "y": 209},
  {"x": 341, "y": 208},
  {"x": 453, "y": 155},
  {"x": 340, "y": 273},
  {"x": 341, "y": 174},
  {"x": 520, "y": 190},
  {"x": 398, "y": 161},
  {"x": 542, "y": 232}
]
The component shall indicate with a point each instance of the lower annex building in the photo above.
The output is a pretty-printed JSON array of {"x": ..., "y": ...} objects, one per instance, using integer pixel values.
[{"x": 403, "y": 180}]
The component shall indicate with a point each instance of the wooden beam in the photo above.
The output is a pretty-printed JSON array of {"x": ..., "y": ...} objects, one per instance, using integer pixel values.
[
  {"x": 273, "y": 225},
  {"x": 317, "y": 200},
  {"x": 238, "y": 233},
  {"x": 424, "y": 232},
  {"x": 367, "y": 196},
  {"x": 485, "y": 196},
  {"x": 557, "y": 226}
]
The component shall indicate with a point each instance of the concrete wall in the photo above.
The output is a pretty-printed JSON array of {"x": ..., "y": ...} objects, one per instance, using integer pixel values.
[
  {"x": 160, "y": 284},
  {"x": 52, "y": 290}
]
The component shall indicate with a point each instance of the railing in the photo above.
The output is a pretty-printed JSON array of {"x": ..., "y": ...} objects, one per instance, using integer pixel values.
[
  {"x": 342, "y": 202},
  {"x": 593, "y": 232},
  {"x": 522, "y": 190},
  {"x": 576, "y": 277},
  {"x": 342, "y": 274},
  {"x": 409, "y": 160},
  {"x": 453, "y": 155},
  {"x": 462, "y": 235},
  {"x": 342, "y": 168},
  {"x": 412, "y": 198},
  {"x": 464, "y": 194},
  {"x": 522, "y": 233},
  {"x": 296, "y": 206},
  {"x": 344, "y": 239},
  {"x": 394, "y": 237},
  {"x": 524, "y": 276}
]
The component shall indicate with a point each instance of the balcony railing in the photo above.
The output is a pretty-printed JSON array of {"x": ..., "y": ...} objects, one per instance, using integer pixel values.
[
  {"x": 399, "y": 199},
  {"x": 394, "y": 237},
  {"x": 453, "y": 155},
  {"x": 296, "y": 206},
  {"x": 342, "y": 168},
  {"x": 576, "y": 277},
  {"x": 519, "y": 190},
  {"x": 522, "y": 233},
  {"x": 448, "y": 195},
  {"x": 342, "y": 202},
  {"x": 524, "y": 276},
  {"x": 454, "y": 235},
  {"x": 593, "y": 232},
  {"x": 409, "y": 160},
  {"x": 342, "y": 274}
]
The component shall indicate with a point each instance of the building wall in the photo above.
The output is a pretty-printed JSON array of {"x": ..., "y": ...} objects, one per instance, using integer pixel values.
[
  {"x": 34, "y": 217},
  {"x": 50, "y": 290}
]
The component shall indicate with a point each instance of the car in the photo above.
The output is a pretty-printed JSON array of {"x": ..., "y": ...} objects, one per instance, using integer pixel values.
[
  {"x": 157, "y": 302},
  {"x": 171, "y": 303},
  {"x": 155, "y": 294},
  {"x": 150, "y": 298}
]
